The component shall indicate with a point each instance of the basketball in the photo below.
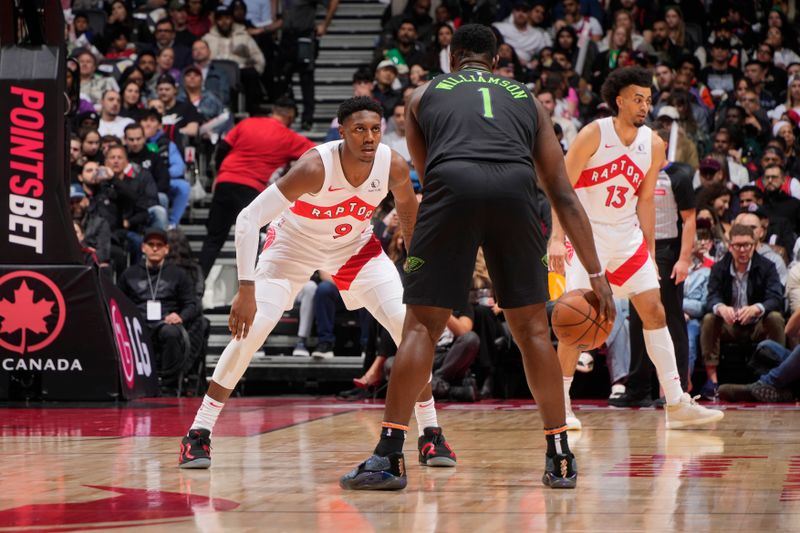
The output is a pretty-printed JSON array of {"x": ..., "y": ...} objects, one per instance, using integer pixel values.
[{"x": 575, "y": 320}]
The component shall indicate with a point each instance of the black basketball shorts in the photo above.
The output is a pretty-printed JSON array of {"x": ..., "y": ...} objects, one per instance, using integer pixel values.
[{"x": 466, "y": 205}]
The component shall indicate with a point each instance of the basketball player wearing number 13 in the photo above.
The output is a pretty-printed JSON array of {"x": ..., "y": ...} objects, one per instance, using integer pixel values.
[
  {"x": 478, "y": 137},
  {"x": 613, "y": 165}
]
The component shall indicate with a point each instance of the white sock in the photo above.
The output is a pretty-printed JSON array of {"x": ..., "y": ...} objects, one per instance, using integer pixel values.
[
  {"x": 567, "y": 386},
  {"x": 662, "y": 352},
  {"x": 425, "y": 412},
  {"x": 207, "y": 414}
]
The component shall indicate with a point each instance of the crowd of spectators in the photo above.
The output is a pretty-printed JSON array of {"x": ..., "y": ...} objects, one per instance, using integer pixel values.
[{"x": 726, "y": 87}]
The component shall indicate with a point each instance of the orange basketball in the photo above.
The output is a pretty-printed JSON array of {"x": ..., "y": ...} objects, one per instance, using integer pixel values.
[{"x": 575, "y": 321}]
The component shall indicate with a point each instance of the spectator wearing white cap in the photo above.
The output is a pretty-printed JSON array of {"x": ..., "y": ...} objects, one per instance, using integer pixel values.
[{"x": 383, "y": 90}]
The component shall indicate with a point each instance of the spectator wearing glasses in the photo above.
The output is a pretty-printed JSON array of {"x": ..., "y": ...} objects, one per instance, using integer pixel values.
[
  {"x": 165, "y": 38},
  {"x": 752, "y": 221},
  {"x": 745, "y": 299},
  {"x": 778, "y": 198}
]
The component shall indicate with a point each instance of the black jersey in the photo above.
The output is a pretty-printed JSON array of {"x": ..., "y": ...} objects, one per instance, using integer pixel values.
[{"x": 476, "y": 115}]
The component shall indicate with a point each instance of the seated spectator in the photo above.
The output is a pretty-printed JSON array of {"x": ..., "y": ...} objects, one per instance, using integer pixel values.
[
  {"x": 695, "y": 290},
  {"x": 396, "y": 139},
  {"x": 165, "y": 38},
  {"x": 74, "y": 156},
  {"x": 778, "y": 200},
  {"x": 305, "y": 301},
  {"x": 785, "y": 130},
  {"x": 132, "y": 106},
  {"x": 568, "y": 128},
  {"x": 779, "y": 384},
  {"x": 179, "y": 117},
  {"x": 686, "y": 150},
  {"x": 120, "y": 45},
  {"x": 779, "y": 233},
  {"x": 719, "y": 76},
  {"x": 745, "y": 300},
  {"x": 439, "y": 53},
  {"x": 418, "y": 13},
  {"x": 165, "y": 295},
  {"x": 198, "y": 20},
  {"x": 526, "y": 40},
  {"x": 107, "y": 141},
  {"x": 783, "y": 56},
  {"x": 792, "y": 102},
  {"x": 151, "y": 161},
  {"x": 664, "y": 47},
  {"x": 93, "y": 85},
  {"x": 179, "y": 16},
  {"x": 362, "y": 86},
  {"x": 146, "y": 63},
  {"x": 752, "y": 221},
  {"x": 580, "y": 23},
  {"x": 383, "y": 91},
  {"x": 717, "y": 197},
  {"x": 95, "y": 231},
  {"x": 137, "y": 197},
  {"x": 404, "y": 49},
  {"x": 216, "y": 120},
  {"x": 456, "y": 351},
  {"x": 709, "y": 173},
  {"x": 756, "y": 72},
  {"x": 214, "y": 79},
  {"x": 232, "y": 42},
  {"x": 725, "y": 149},
  {"x": 90, "y": 147},
  {"x": 165, "y": 63},
  {"x": 110, "y": 121},
  {"x": 159, "y": 143}
]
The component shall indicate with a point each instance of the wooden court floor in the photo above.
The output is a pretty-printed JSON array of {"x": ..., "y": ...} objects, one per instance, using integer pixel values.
[{"x": 276, "y": 463}]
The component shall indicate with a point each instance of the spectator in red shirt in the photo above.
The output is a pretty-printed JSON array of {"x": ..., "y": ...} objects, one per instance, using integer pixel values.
[{"x": 246, "y": 159}]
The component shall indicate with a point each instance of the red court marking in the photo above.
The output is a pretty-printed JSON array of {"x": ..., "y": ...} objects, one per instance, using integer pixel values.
[
  {"x": 654, "y": 465},
  {"x": 791, "y": 485},
  {"x": 166, "y": 417},
  {"x": 134, "y": 505}
]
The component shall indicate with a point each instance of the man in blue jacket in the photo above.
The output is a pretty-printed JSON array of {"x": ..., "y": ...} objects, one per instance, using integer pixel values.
[{"x": 745, "y": 302}]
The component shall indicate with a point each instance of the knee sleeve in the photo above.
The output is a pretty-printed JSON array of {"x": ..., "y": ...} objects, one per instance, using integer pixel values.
[{"x": 237, "y": 355}]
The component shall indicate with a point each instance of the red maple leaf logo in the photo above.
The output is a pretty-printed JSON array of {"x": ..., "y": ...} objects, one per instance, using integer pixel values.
[{"x": 24, "y": 314}]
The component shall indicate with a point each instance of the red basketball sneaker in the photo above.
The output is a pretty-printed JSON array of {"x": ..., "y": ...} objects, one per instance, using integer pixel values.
[
  {"x": 196, "y": 449},
  {"x": 434, "y": 450}
]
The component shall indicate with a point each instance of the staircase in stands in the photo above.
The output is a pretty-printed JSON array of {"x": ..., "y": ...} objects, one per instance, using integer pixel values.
[{"x": 348, "y": 45}]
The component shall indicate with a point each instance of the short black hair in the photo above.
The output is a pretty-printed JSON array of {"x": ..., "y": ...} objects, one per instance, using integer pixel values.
[
  {"x": 150, "y": 114},
  {"x": 356, "y": 104},
  {"x": 476, "y": 39},
  {"x": 363, "y": 75},
  {"x": 133, "y": 126},
  {"x": 621, "y": 78},
  {"x": 753, "y": 189},
  {"x": 166, "y": 20},
  {"x": 285, "y": 103}
]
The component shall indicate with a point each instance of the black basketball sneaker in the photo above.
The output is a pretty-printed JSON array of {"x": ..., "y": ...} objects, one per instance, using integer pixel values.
[
  {"x": 377, "y": 473},
  {"x": 560, "y": 471},
  {"x": 196, "y": 449},
  {"x": 434, "y": 450}
]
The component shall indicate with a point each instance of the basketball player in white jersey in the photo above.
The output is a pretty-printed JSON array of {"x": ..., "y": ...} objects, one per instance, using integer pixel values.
[
  {"x": 320, "y": 220},
  {"x": 613, "y": 165}
]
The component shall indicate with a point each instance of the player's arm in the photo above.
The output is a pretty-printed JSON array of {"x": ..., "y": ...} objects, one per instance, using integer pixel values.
[
  {"x": 645, "y": 206},
  {"x": 415, "y": 140},
  {"x": 681, "y": 268},
  {"x": 405, "y": 201},
  {"x": 580, "y": 151},
  {"x": 552, "y": 174},
  {"x": 306, "y": 176}
]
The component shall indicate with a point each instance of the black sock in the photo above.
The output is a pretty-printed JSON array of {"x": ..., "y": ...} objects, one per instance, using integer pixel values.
[
  {"x": 556, "y": 442},
  {"x": 392, "y": 440}
]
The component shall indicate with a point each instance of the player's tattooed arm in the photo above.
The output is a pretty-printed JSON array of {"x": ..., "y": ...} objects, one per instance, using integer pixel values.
[
  {"x": 405, "y": 200},
  {"x": 552, "y": 174},
  {"x": 414, "y": 137}
]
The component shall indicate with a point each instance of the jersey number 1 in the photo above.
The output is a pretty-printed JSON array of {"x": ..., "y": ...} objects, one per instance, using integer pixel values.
[{"x": 487, "y": 102}]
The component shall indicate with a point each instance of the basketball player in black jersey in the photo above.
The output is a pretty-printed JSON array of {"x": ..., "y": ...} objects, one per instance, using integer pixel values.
[{"x": 482, "y": 141}]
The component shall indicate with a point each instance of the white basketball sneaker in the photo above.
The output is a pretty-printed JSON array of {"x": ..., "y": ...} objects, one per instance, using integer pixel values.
[
  {"x": 688, "y": 412},
  {"x": 573, "y": 424}
]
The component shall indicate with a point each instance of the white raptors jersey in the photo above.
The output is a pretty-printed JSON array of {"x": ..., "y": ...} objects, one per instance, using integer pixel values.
[
  {"x": 339, "y": 214},
  {"x": 608, "y": 188}
]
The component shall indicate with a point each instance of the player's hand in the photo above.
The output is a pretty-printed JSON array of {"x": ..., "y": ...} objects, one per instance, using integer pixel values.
[
  {"x": 727, "y": 313},
  {"x": 748, "y": 314},
  {"x": 243, "y": 311},
  {"x": 606, "y": 309},
  {"x": 680, "y": 271},
  {"x": 557, "y": 256}
]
